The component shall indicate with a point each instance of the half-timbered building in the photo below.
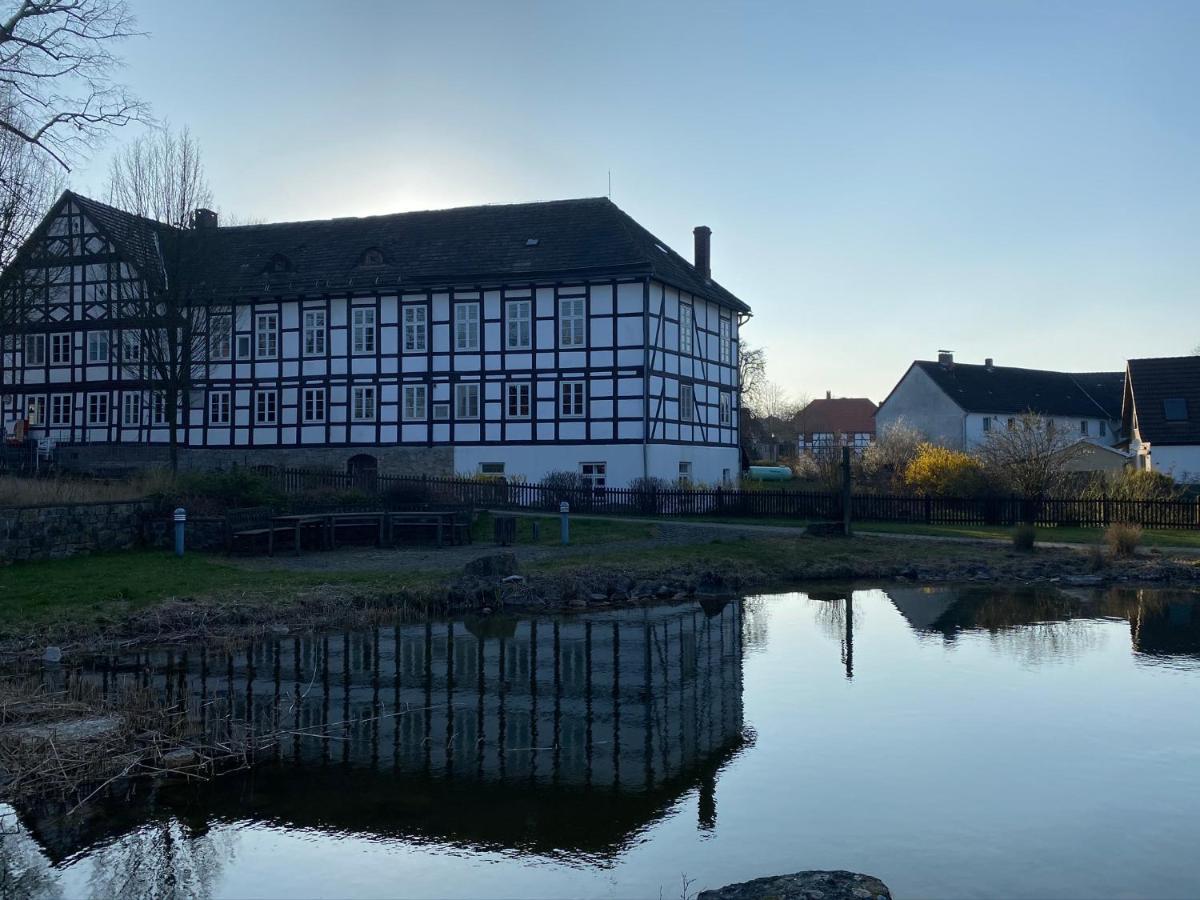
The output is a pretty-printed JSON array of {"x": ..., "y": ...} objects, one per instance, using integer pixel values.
[{"x": 510, "y": 340}]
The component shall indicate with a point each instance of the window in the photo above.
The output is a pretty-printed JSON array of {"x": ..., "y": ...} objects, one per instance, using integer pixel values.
[
  {"x": 441, "y": 412},
  {"x": 362, "y": 321},
  {"x": 98, "y": 409},
  {"x": 35, "y": 349},
  {"x": 987, "y": 423},
  {"x": 685, "y": 470},
  {"x": 220, "y": 337},
  {"x": 243, "y": 346},
  {"x": 572, "y": 324},
  {"x": 1083, "y": 427},
  {"x": 1103, "y": 428},
  {"x": 314, "y": 332},
  {"x": 131, "y": 409},
  {"x": 35, "y": 410},
  {"x": 517, "y": 406},
  {"x": 466, "y": 401},
  {"x": 60, "y": 409},
  {"x": 60, "y": 349},
  {"x": 595, "y": 474},
  {"x": 517, "y": 324},
  {"x": 97, "y": 347},
  {"x": 1175, "y": 409},
  {"x": 571, "y": 394},
  {"x": 685, "y": 328},
  {"x": 314, "y": 404},
  {"x": 415, "y": 397},
  {"x": 725, "y": 350},
  {"x": 362, "y": 404},
  {"x": 726, "y": 409},
  {"x": 266, "y": 407},
  {"x": 266, "y": 335},
  {"x": 687, "y": 402},
  {"x": 466, "y": 326},
  {"x": 158, "y": 408},
  {"x": 219, "y": 412},
  {"x": 416, "y": 329},
  {"x": 491, "y": 468}
]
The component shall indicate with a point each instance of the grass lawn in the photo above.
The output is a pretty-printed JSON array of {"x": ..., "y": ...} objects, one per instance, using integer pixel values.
[
  {"x": 1150, "y": 538},
  {"x": 584, "y": 531}
]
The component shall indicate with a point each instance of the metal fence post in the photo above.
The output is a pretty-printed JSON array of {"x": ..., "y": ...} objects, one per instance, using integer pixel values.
[
  {"x": 564, "y": 510},
  {"x": 180, "y": 522}
]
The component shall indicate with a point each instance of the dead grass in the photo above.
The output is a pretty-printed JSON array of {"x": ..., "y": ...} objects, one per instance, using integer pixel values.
[
  {"x": 1123, "y": 538},
  {"x": 15, "y": 491}
]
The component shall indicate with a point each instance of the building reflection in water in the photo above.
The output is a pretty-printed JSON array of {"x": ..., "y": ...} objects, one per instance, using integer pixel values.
[{"x": 561, "y": 735}]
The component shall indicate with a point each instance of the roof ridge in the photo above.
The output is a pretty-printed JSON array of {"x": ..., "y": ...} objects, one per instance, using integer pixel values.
[{"x": 956, "y": 365}]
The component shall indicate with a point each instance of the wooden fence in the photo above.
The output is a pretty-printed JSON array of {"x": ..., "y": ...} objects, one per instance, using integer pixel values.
[{"x": 764, "y": 504}]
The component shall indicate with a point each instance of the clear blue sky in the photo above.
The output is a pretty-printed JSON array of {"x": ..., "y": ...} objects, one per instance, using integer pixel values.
[{"x": 1015, "y": 180}]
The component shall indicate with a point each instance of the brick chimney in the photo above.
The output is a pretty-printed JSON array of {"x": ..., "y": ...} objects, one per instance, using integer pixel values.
[
  {"x": 946, "y": 358},
  {"x": 703, "y": 233},
  {"x": 204, "y": 218}
]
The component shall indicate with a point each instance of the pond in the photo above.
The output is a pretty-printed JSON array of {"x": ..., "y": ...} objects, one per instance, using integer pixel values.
[{"x": 954, "y": 741}]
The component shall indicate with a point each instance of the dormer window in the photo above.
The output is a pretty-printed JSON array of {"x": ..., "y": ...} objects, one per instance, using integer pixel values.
[
  {"x": 278, "y": 263},
  {"x": 373, "y": 256}
]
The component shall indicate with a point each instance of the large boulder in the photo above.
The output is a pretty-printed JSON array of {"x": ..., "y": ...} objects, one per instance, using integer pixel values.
[{"x": 812, "y": 885}]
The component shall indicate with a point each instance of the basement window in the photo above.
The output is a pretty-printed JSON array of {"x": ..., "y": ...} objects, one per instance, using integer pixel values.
[{"x": 1175, "y": 409}]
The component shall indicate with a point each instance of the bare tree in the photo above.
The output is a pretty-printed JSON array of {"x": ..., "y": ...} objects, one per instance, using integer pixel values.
[
  {"x": 1028, "y": 457},
  {"x": 773, "y": 401},
  {"x": 167, "y": 325},
  {"x": 56, "y": 68},
  {"x": 893, "y": 449}
]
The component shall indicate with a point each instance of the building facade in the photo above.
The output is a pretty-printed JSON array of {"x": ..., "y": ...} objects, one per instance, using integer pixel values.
[
  {"x": 957, "y": 404},
  {"x": 507, "y": 340},
  {"x": 1161, "y": 414},
  {"x": 825, "y": 426}
]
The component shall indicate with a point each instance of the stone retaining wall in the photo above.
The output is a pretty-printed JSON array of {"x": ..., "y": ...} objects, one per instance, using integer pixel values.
[{"x": 54, "y": 532}]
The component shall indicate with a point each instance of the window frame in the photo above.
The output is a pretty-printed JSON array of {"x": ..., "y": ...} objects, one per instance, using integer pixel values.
[
  {"x": 318, "y": 346},
  {"x": 220, "y": 407},
  {"x": 364, "y": 338},
  {"x": 418, "y": 327},
  {"x": 599, "y": 472},
  {"x": 31, "y": 356},
  {"x": 272, "y": 395},
  {"x": 96, "y": 339},
  {"x": 358, "y": 403},
  {"x": 514, "y": 388},
  {"x": 98, "y": 403},
  {"x": 413, "y": 391},
  {"x": 474, "y": 326},
  {"x": 38, "y": 403},
  {"x": 220, "y": 338},
  {"x": 271, "y": 334},
  {"x": 725, "y": 409},
  {"x": 576, "y": 321},
  {"x": 569, "y": 387},
  {"x": 687, "y": 343},
  {"x": 526, "y": 320},
  {"x": 312, "y": 401},
  {"x": 60, "y": 403},
  {"x": 129, "y": 399},
  {"x": 690, "y": 406},
  {"x": 462, "y": 388},
  {"x": 60, "y": 341},
  {"x": 725, "y": 341}
]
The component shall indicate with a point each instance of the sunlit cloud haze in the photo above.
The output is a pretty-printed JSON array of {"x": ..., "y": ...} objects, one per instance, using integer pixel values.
[{"x": 1009, "y": 180}]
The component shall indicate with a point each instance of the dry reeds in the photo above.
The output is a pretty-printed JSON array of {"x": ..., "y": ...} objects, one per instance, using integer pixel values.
[{"x": 62, "y": 491}]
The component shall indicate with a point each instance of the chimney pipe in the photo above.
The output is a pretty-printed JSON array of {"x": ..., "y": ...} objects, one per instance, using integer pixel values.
[
  {"x": 703, "y": 265},
  {"x": 204, "y": 218},
  {"x": 988, "y": 362},
  {"x": 946, "y": 357},
  {"x": 829, "y": 395}
]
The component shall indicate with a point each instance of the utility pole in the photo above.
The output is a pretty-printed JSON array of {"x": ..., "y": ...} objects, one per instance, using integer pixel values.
[{"x": 846, "y": 492}]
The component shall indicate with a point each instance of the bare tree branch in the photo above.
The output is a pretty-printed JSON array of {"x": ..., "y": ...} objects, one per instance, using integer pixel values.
[{"x": 56, "y": 73}]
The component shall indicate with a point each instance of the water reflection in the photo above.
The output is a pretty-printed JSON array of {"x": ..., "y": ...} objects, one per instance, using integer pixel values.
[{"x": 484, "y": 733}]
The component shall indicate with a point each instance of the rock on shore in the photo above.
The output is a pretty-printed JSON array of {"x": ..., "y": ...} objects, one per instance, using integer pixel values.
[{"x": 811, "y": 885}]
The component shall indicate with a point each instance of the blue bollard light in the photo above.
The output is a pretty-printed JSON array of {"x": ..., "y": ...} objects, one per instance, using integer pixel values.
[
  {"x": 563, "y": 509},
  {"x": 180, "y": 521}
]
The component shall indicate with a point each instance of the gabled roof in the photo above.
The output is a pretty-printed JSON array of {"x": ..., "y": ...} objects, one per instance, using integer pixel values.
[
  {"x": 1009, "y": 390},
  {"x": 1151, "y": 382},
  {"x": 837, "y": 415},
  {"x": 563, "y": 238}
]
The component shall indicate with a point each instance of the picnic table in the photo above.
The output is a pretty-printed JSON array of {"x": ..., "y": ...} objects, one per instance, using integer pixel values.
[{"x": 440, "y": 520}]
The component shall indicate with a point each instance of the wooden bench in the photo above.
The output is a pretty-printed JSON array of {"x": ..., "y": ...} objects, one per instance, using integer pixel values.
[{"x": 249, "y": 523}]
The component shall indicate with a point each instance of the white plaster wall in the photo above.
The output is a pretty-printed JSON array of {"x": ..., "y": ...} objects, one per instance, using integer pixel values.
[
  {"x": 920, "y": 403},
  {"x": 976, "y": 435},
  {"x": 624, "y": 461},
  {"x": 1180, "y": 462}
]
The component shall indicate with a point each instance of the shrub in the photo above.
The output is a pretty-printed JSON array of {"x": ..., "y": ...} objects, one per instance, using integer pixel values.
[
  {"x": 651, "y": 483},
  {"x": 887, "y": 458},
  {"x": 1024, "y": 537},
  {"x": 1123, "y": 538},
  {"x": 944, "y": 473},
  {"x": 1096, "y": 558},
  {"x": 1132, "y": 484},
  {"x": 214, "y": 492}
]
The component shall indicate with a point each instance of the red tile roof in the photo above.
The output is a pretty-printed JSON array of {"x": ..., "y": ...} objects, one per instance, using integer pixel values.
[{"x": 838, "y": 415}]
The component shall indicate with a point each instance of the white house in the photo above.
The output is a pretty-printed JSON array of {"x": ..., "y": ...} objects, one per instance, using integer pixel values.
[
  {"x": 1161, "y": 414},
  {"x": 956, "y": 404},
  {"x": 514, "y": 340}
]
